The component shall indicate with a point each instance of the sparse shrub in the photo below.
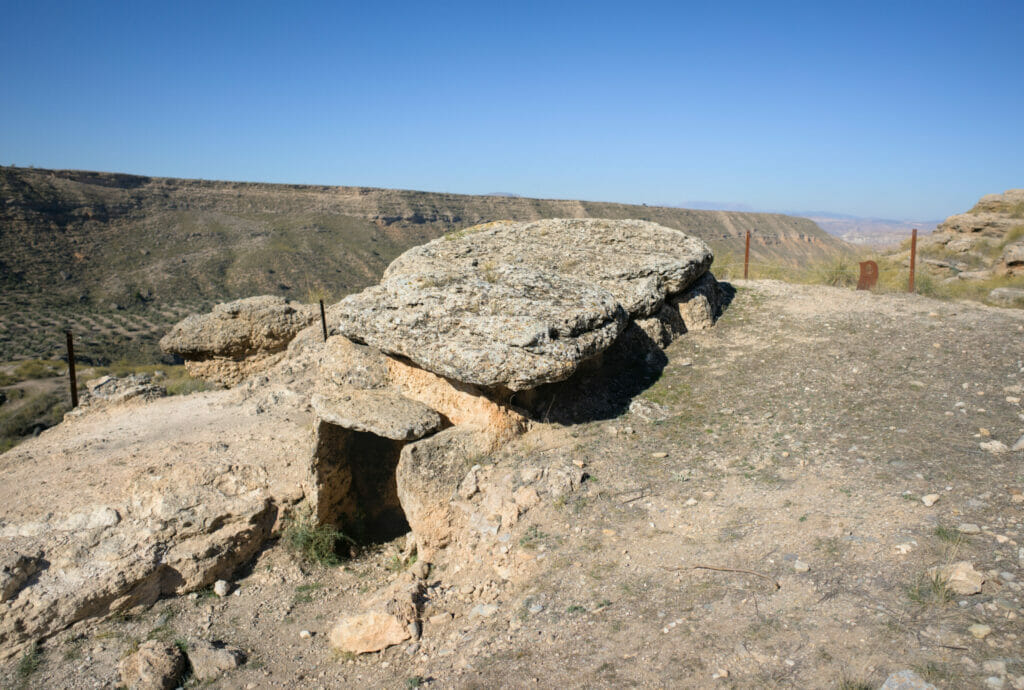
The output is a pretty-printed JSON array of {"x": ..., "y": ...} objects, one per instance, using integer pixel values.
[
  {"x": 314, "y": 544},
  {"x": 29, "y": 661},
  {"x": 840, "y": 272},
  {"x": 37, "y": 369},
  {"x": 850, "y": 684},
  {"x": 930, "y": 591}
]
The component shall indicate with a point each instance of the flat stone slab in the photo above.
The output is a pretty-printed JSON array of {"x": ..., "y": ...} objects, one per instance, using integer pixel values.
[
  {"x": 503, "y": 326},
  {"x": 517, "y": 305},
  {"x": 639, "y": 262},
  {"x": 381, "y": 411}
]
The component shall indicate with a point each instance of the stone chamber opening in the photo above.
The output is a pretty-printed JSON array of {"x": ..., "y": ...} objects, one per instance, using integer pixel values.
[{"x": 354, "y": 484}]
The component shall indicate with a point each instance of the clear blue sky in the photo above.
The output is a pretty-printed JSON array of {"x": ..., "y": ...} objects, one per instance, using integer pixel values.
[{"x": 891, "y": 109}]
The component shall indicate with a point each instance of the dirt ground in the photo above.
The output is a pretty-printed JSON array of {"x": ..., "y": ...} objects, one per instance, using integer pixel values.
[{"x": 768, "y": 532}]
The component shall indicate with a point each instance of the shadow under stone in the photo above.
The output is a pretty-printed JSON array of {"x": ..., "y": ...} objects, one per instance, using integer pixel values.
[
  {"x": 603, "y": 387},
  {"x": 355, "y": 476}
]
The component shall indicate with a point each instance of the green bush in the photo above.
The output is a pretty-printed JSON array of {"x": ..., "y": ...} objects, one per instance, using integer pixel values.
[{"x": 314, "y": 544}]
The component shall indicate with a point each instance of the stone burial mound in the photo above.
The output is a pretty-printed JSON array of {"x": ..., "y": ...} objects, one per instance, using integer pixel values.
[{"x": 467, "y": 342}]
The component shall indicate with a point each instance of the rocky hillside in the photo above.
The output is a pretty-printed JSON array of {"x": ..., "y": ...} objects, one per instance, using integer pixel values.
[
  {"x": 979, "y": 254},
  {"x": 987, "y": 240},
  {"x": 112, "y": 242}
]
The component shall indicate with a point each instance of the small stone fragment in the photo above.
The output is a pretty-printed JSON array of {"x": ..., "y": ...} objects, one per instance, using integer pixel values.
[
  {"x": 469, "y": 485},
  {"x": 659, "y": 455},
  {"x": 930, "y": 499},
  {"x": 209, "y": 661},
  {"x": 305, "y": 634},
  {"x": 221, "y": 588},
  {"x": 980, "y": 630},
  {"x": 994, "y": 447},
  {"x": 484, "y": 610},
  {"x": 906, "y": 680},
  {"x": 440, "y": 618},
  {"x": 800, "y": 567},
  {"x": 994, "y": 666},
  {"x": 968, "y": 528},
  {"x": 1019, "y": 445},
  {"x": 526, "y": 497},
  {"x": 420, "y": 569}
]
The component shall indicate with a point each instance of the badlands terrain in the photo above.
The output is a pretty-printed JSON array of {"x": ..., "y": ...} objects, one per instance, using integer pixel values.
[{"x": 821, "y": 490}]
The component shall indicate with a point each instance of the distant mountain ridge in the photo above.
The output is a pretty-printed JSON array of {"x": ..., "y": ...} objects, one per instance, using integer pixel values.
[
  {"x": 857, "y": 230},
  {"x": 107, "y": 236}
]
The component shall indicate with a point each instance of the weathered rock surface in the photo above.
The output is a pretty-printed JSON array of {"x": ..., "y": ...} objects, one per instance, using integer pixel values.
[
  {"x": 115, "y": 389},
  {"x": 994, "y": 215},
  {"x": 156, "y": 509},
  {"x": 513, "y": 327},
  {"x": 517, "y": 305},
  {"x": 384, "y": 412},
  {"x": 699, "y": 306},
  {"x": 1011, "y": 263},
  {"x": 154, "y": 666},
  {"x": 428, "y": 475},
  {"x": 639, "y": 262},
  {"x": 987, "y": 240},
  {"x": 368, "y": 632},
  {"x": 237, "y": 338},
  {"x": 17, "y": 566},
  {"x": 210, "y": 661}
]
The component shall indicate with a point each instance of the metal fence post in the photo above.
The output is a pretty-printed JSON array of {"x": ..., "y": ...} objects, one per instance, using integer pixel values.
[
  {"x": 913, "y": 259},
  {"x": 746, "y": 257},
  {"x": 72, "y": 379}
]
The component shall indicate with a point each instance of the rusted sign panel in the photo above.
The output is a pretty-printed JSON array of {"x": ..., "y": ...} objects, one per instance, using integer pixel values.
[{"x": 868, "y": 275}]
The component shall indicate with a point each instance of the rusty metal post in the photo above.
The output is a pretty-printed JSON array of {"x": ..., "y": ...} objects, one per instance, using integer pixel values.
[
  {"x": 323, "y": 320},
  {"x": 72, "y": 379},
  {"x": 913, "y": 259},
  {"x": 746, "y": 257}
]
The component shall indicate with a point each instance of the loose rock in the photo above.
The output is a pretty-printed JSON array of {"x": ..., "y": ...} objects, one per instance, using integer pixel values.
[
  {"x": 960, "y": 577},
  {"x": 369, "y": 632},
  {"x": 906, "y": 680},
  {"x": 154, "y": 666},
  {"x": 210, "y": 661}
]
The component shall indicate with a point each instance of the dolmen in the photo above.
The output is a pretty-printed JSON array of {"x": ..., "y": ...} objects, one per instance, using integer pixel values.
[{"x": 436, "y": 363}]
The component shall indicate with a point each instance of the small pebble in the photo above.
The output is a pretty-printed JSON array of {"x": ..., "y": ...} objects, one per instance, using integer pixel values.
[
  {"x": 800, "y": 566},
  {"x": 980, "y": 631},
  {"x": 221, "y": 588},
  {"x": 305, "y": 634},
  {"x": 930, "y": 499}
]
